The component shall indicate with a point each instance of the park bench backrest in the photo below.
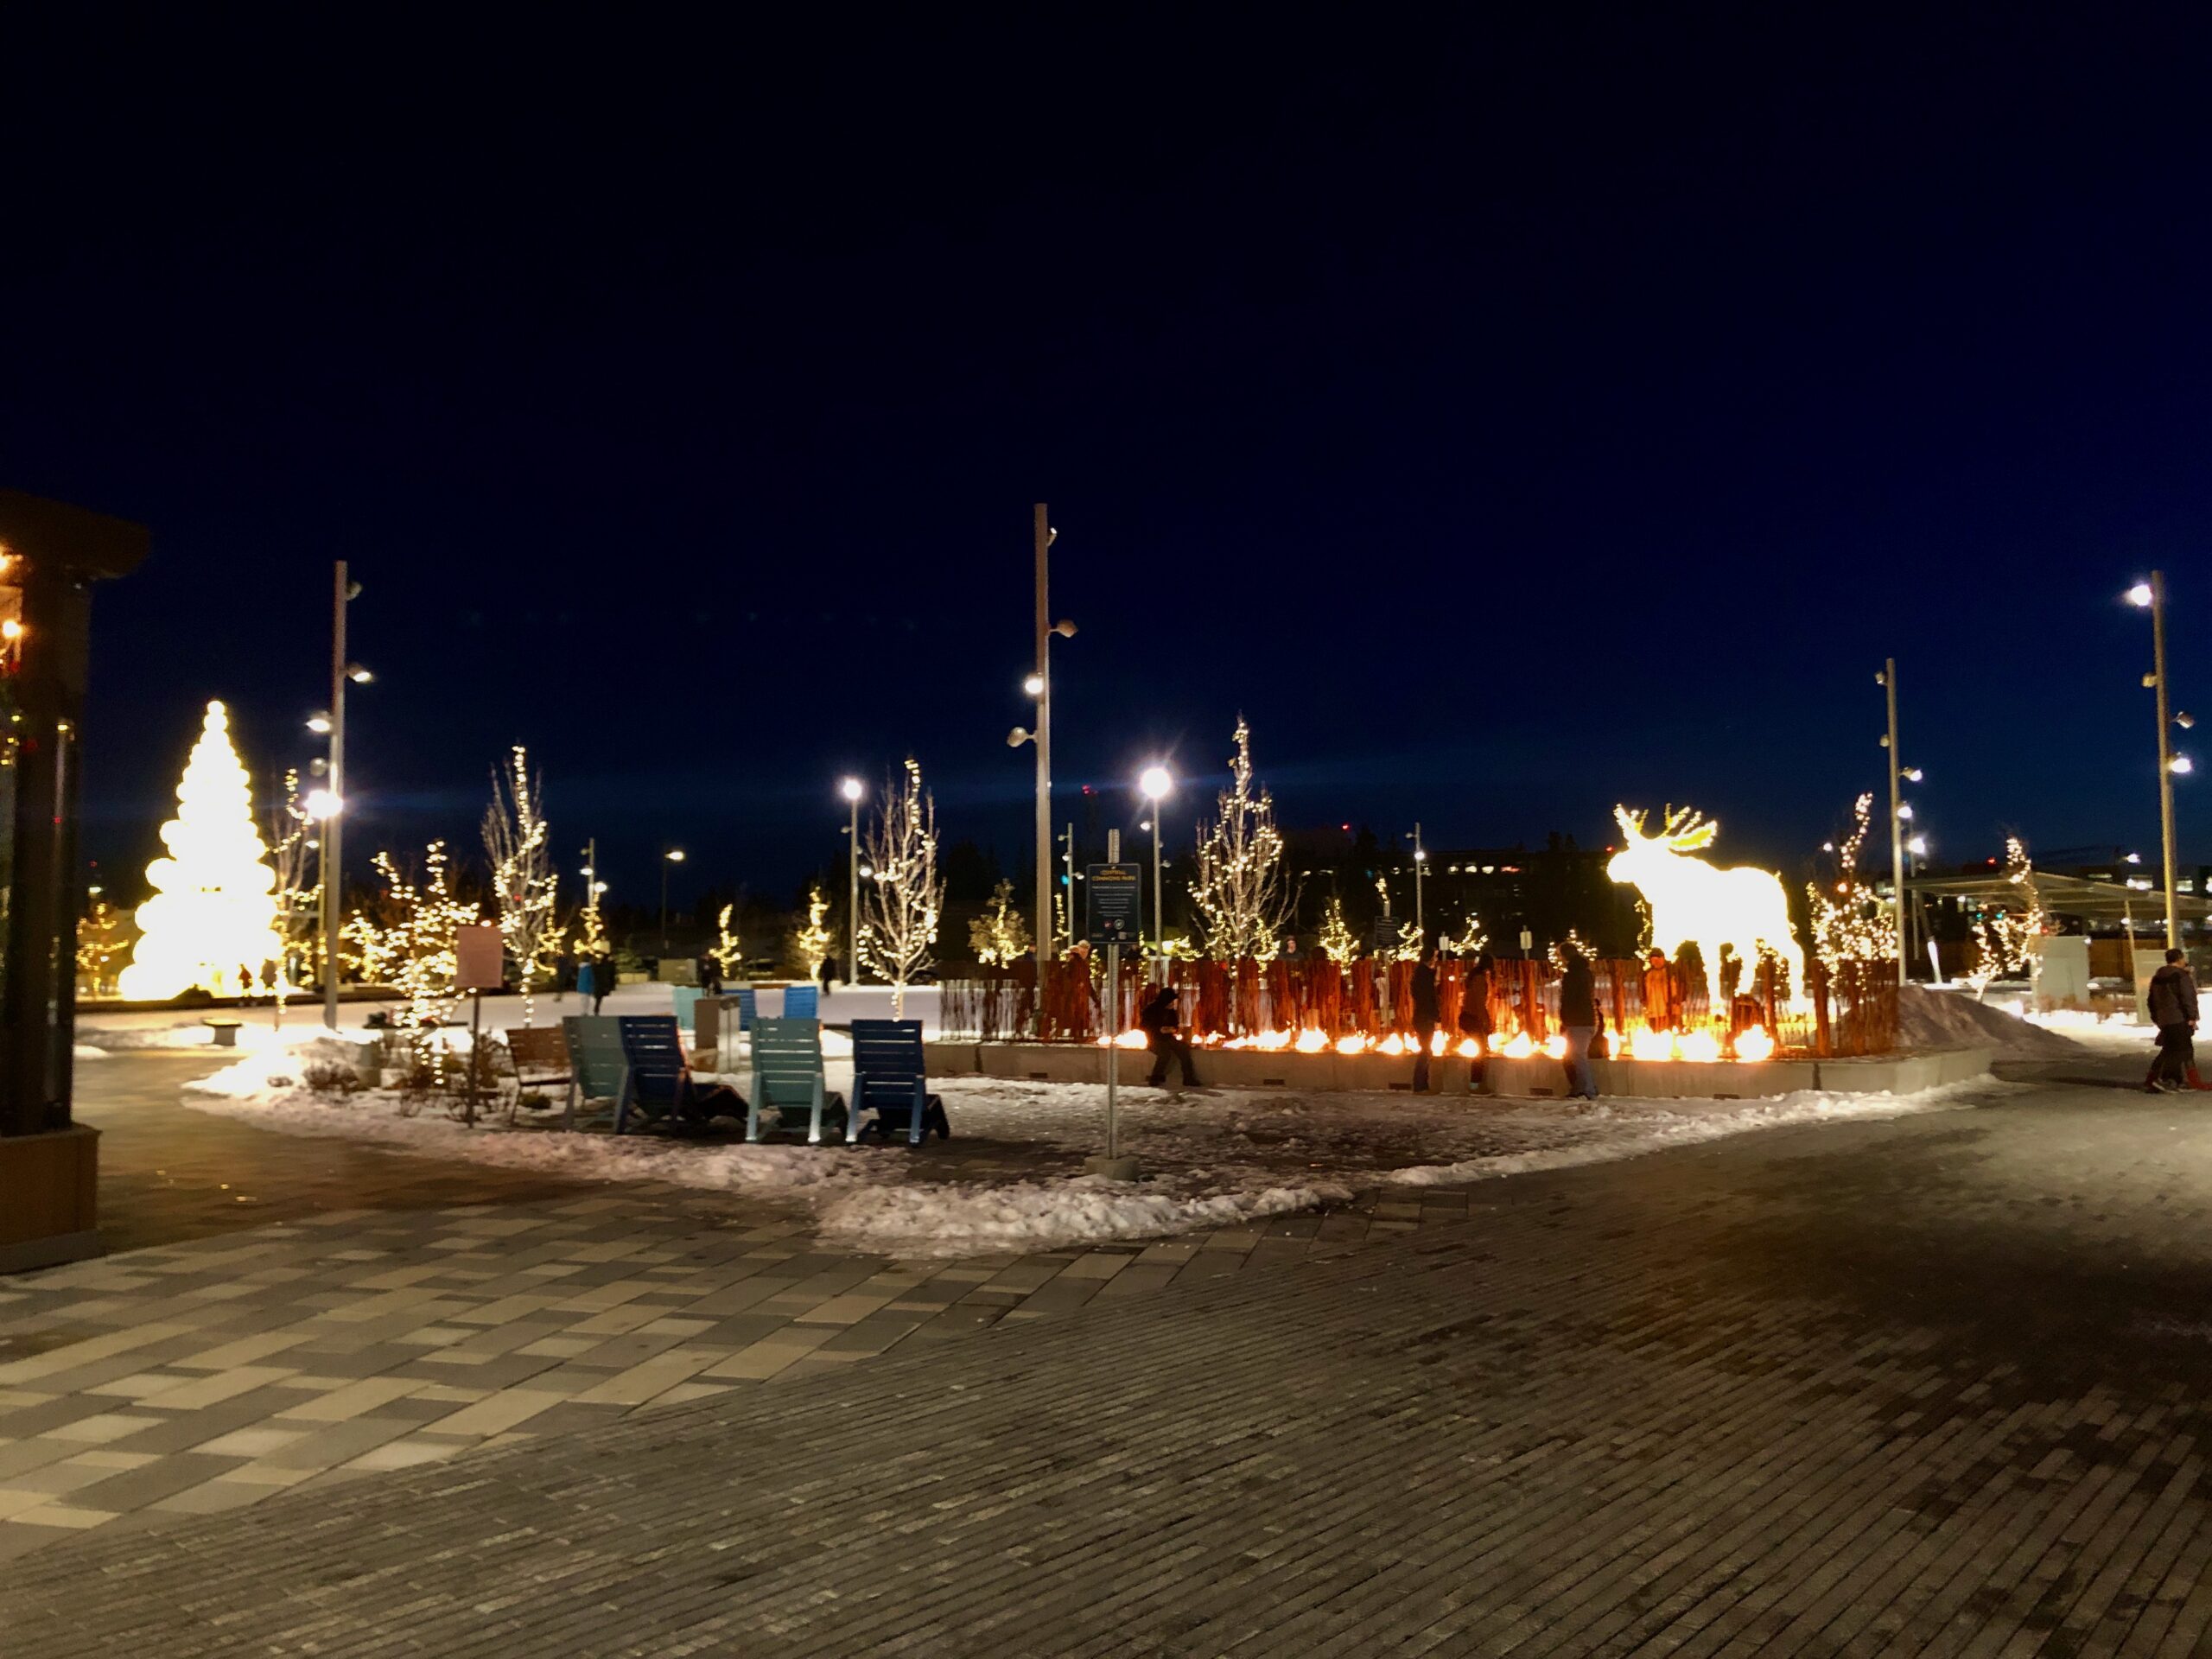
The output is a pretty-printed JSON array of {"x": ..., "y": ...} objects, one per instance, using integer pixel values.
[
  {"x": 749, "y": 1008},
  {"x": 888, "y": 1062},
  {"x": 787, "y": 1061},
  {"x": 595, "y": 1057},
  {"x": 651, "y": 1044},
  {"x": 802, "y": 1002},
  {"x": 539, "y": 1052}
]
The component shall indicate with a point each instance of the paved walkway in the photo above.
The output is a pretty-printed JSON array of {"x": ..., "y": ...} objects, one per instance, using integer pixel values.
[
  {"x": 231, "y": 1356},
  {"x": 1933, "y": 1386}
]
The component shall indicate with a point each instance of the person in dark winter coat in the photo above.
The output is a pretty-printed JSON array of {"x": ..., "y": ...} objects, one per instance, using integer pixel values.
[
  {"x": 1159, "y": 1019},
  {"x": 1424, "y": 995},
  {"x": 1474, "y": 1013},
  {"x": 710, "y": 976},
  {"x": 602, "y": 981},
  {"x": 1577, "y": 1016},
  {"x": 2172, "y": 1002}
]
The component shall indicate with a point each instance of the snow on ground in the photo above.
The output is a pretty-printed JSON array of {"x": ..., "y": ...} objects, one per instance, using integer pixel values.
[
  {"x": 302, "y": 1018},
  {"x": 1211, "y": 1159}
]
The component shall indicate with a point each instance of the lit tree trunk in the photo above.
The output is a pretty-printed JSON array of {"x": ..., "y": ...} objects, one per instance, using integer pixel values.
[
  {"x": 905, "y": 896},
  {"x": 1244, "y": 897},
  {"x": 524, "y": 881}
]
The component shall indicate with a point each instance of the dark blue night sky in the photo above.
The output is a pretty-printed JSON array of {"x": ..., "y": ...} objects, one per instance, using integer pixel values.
[{"x": 1509, "y": 418}]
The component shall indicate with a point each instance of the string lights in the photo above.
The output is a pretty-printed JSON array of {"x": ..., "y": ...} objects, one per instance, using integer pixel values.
[
  {"x": 1850, "y": 921},
  {"x": 524, "y": 884},
  {"x": 813, "y": 943},
  {"x": 1741, "y": 909},
  {"x": 999, "y": 936},
  {"x": 212, "y": 917},
  {"x": 905, "y": 896},
  {"x": 1243, "y": 895}
]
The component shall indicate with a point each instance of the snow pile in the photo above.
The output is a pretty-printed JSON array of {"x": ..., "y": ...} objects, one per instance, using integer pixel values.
[
  {"x": 956, "y": 1218},
  {"x": 1929, "y": 1019},
  {"x": 1654, "y": 1127},
  {"x": 254, "y": 1032},
  {"x": 82, "y": 1051},
  {"x": 270, "y": 1072}
]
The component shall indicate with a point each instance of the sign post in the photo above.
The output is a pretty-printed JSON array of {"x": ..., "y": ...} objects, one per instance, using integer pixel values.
[
  {"x": 479, "y": 960},
  {"x": 1114, "y": 917}
]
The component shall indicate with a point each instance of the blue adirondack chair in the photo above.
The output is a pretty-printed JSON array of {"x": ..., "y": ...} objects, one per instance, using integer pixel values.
[
  {"x": 787, "y": 1076},
  {"x": 748, "y": 1008},
  {"x": 891, "y": 1079},
  {"x": 598, "y": 1069},
  {"x": 661, "y": 1084},
  {"x": 802, "y": 1002}
]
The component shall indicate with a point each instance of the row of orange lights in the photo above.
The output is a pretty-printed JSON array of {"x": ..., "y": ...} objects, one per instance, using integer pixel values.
[{"x": 1753, "y": 1043}]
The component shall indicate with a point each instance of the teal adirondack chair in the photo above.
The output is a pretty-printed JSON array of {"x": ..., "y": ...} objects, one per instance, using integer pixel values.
[
  {"x": 687, "y": 1003},
  {"x": 598, "y": 1069},
  {"x": 787, "y": 1076}
]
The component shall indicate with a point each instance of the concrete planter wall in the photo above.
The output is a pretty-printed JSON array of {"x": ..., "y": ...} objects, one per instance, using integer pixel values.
[
  {"x": 50, "y": 1186},
  {"x": 1537, "y": 1078}
]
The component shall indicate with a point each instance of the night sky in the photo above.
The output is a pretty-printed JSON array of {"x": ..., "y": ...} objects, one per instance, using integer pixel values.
[{"x": 1509, "y": 420}]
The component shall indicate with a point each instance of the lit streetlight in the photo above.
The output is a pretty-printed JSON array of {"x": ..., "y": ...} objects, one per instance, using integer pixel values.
[
  {"x": 331, "y": 853},
  {"x": 1039, "y": 686},
  {"x": 1420, "y": 863},
  {"x": 1156, "y": 783},
  {"x": 669, "y": 855},
  {"x": 2151, "y": 596},
  {"x": 852, "y": 791},
  {"x": 1900, "y": 813}
]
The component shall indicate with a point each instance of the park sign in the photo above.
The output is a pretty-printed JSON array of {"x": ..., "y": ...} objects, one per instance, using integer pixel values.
[{"x": 1114, "y": 903}]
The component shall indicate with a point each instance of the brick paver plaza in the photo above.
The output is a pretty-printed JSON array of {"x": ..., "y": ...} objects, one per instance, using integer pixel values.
[{"x": 1928, "y": 1386}]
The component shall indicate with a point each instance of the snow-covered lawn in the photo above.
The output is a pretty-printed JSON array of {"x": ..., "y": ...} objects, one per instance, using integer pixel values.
[{"x": 1009, "y": 1179}]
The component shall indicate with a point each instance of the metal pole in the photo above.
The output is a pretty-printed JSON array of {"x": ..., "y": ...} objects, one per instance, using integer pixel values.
[
  {"x": 475, "y": 1053},
  {"x": 663, "y": 901},
  {"x": 1068, "y": 858},
  {"x": 2165, "y": 750},
  {"x": 1043, "y": 531},
  {"x": 1113, "y": 1008},
  {"x": 332, "y": 852},
  {"x": 853, "y": 907},
  {"x": 1419, "y": 863},
  {"x": 1158, "y": 927},
  {"x": 1897, "y": 823}
]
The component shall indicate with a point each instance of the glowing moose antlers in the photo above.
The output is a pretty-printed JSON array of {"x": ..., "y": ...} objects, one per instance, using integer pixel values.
[{"x": 1742, "y": 910}]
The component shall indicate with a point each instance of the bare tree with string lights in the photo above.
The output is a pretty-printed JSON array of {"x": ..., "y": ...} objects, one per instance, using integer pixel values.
[
  {"x": 524, "y": 881},
  {"x": 904, "y": 898},
  {"x": 1244, "y": 897}
]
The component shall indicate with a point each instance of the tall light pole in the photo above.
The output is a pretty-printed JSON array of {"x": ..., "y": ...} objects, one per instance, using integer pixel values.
[
  {"x": 1421, "y": 864},
  {"x": 669, "y": 855},
  {"x": 1039, "y": 686},
  {"x": 1900, "y": 814},
  {"x": 852, "y": 791},
  {"x": 1156, "y": 783},
  {"x": 330, "y": 851},
  {"x": 2151, "y": 596}
]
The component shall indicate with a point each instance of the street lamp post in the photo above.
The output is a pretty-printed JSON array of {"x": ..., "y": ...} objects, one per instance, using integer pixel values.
[
  {"x": 669, "y": 855},
  {"x": 1900, "y": 814},
  {"x": 1039, "y": 686},
  {"x": 852, "y": 791},
  {"x": 2151, "y": 596},
  {"x": 1156, "y": 783},
  {"x": 331, "y": 850},
  {"x": 1421, "y": 864}
]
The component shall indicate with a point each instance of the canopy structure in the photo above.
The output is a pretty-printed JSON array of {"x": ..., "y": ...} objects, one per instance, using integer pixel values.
[{"x": 2084, "y": 898}]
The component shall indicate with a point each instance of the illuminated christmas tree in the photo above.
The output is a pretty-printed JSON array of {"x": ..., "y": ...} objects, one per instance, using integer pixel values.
[{"x": 213, "y": 912}]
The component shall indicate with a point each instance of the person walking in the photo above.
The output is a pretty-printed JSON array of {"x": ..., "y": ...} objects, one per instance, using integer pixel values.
[
  {"x": 602, "y": 979},
  {"x": 2172, "y": 1003},
  {"x": 1159, "y": 1019},
  {"x": 1424, "y": 1019},
  {"x": 1578, "y": 1018},
  {"x": 710, "y": 976},
  {"x": 1474, "y": 1015},
  {"x": 586, "y": 976}
]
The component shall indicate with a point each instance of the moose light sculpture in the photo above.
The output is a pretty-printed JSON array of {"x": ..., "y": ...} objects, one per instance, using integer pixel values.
[{"x": 1741, "y": 909}]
